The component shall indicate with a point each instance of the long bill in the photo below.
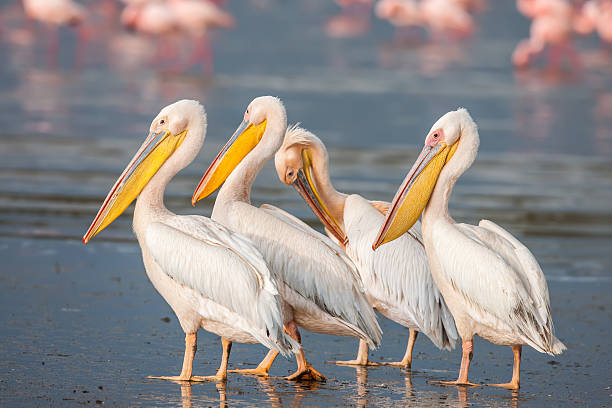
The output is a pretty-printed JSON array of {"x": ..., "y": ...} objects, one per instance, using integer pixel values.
[
  {"x": 414, "y": 193},
  {"x": 305, "y": 185},
  {"x": 244, "y": 139},
  {"x": 146, "y": 162}
]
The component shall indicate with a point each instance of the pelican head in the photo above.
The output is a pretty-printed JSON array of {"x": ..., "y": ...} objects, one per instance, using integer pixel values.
[
  {"x": 169, "y": 135},
  {"x": 294, "y": 165},
  {"x": 413, "y": 195},
  {"x": 248, "y": 135}
]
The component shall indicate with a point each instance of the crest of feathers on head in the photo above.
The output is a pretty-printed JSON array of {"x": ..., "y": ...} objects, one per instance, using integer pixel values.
[{"x": 296, "y": 135}]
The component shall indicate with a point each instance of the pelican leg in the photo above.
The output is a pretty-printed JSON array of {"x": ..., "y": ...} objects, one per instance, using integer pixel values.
[
  {"x": 515, "y": 383},
  {"x": 407, "y": 360},
  {"x": 190, "y": 350},
  {"x": 222, "y": 371},
  {"x": 263, "y": 368},
  {"x": 466, "y": 358},
  {"x": 304, "y": 370},
  {"x": 360, "y": 360},
  {"x": 191, "y": 346}
]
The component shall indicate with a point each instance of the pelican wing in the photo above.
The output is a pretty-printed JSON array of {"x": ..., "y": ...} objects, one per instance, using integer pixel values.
[
  {"x": 311, "y": 265},
  {"x": 224, "y": 267},
  {"x": 398, "y": 273},
  {"x": 330, "y": 241},
  {"x": 500, "y": 281}
]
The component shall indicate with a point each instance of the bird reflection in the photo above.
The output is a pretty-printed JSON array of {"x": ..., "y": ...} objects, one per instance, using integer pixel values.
[
  {"x": 362, "y": 386},
  {"x": 408, "y": 381},
  {"x": 302, "y": 389},
  {"x": 514, "y": 398},
  {"x": 361, "y": 376},
  {"x": 185, "y": 394},
  {"x": 273, "y": 398},
  {"x": 462, "y": 397},
  {"x": 187, "y": 399}
]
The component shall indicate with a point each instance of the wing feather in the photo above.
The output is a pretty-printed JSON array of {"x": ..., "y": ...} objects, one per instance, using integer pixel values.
[
  {"x": 310, "y": 264},
  {"x": 488, "y": 272},
  {"x": 224, "y": 267},
  {"x": 398, "y": 273}
]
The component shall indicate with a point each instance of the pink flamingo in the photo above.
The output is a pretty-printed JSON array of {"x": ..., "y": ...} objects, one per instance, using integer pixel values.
[
  {"x": 552, "y": 26},
  {"x": 595, "y": 15},
  {"x": 153, "y": 18},
  {"x": 197, "y": 18},
  {"x": 438, "y": 16},
  {"x": 58, "y": 13}
]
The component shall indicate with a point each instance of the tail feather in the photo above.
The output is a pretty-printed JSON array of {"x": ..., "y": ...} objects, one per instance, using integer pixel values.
[
  {"x": 268, "y": 308},
  {"x": 557, "y": 346}
]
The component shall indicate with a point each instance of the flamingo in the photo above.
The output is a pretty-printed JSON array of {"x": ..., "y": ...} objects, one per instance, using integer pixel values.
[
  {"x": 152, "y": 17},
  {"x": 318, "y": 283},
  {"x": 57, "y": 13},
  {"x": 396, "y": 278},
  {"x": 197, "y": 18},
  {"x": 490, "y": 281},
  {"x": 212, "y": 277},
  {"x": 595, "y": 15},
  {"x": 439, "y": 16},
  {"x": 552, "y": 25}
]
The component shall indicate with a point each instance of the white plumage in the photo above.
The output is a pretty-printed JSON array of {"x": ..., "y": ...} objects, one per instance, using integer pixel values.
[
  {"x": 490, "y": 281},
  {"x": 211, "y": 277},
  {"x": 222, "y": 267},
  {"x": 396, "y": 278},
  {"x": 319, "y": 285},
  {"x": 499, "y": 283}
]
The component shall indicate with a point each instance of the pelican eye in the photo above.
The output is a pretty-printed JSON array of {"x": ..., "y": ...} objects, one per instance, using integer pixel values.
[
  {"x": 161, "y": 122},
  {"x": 435, "y": 135}
]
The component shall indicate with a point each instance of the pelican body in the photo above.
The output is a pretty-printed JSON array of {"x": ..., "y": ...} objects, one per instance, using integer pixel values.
[
  {"x": 397, "y": 280},
  {"x": 210, "y": 276},
  {"x": 319, "y": 286},
  {"x": 490, "y": 281}
]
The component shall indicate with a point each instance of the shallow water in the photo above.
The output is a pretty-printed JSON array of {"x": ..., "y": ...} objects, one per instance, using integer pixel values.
[{"x": 84, "y": 325}]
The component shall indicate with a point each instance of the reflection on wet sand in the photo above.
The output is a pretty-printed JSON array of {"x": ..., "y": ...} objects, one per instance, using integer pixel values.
[
  {"x": 362, "y": 386},
  {"x": 292, "y": 397},
  {"x": 295, "y": 394},
  {"x": 187, "y": 397}
]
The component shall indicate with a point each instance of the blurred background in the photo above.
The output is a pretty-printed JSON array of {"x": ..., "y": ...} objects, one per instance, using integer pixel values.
[{"x": 80, "y": 83}]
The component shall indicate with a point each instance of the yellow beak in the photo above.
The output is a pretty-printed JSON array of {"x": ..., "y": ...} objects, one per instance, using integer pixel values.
[
  {"x": 305, "y": 185},
  {"x": 148, "y": 159},
  {"x": 414, "y": 193},
  {"x": 244, "y": 139}
]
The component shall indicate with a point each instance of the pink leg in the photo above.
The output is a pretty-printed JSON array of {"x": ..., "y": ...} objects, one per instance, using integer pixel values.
[
  {"x": 81, "y": 46},
  {"x": 53, "y": 47}
]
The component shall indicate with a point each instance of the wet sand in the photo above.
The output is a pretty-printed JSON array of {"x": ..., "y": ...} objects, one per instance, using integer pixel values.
[{"x": 83, "y": 325}]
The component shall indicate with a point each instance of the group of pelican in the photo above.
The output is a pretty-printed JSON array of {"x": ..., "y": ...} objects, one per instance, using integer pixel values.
[{"x": 255, "y": 275}]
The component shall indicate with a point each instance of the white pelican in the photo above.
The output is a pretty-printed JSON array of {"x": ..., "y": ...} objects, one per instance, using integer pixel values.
[
  {"x": 319, "y": 285},
  {"x": 490, "y": 281},
  {"x": 211, "y": 277},
  {"x": 397, "y": 279}
]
